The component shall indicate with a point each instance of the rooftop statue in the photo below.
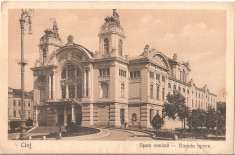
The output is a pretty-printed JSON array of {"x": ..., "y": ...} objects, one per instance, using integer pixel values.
[
  {"x": 113, "y": 18},
  {"x": 55, "y": 27}
]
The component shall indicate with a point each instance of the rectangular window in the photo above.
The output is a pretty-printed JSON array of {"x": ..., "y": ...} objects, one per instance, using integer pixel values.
[
  {"x": 19, "y": 103},
  {"x": 19, "y": 113},
  {"x": 163, "y": 94},
  {"x": 107, "y": 70},
  {"x": 151, "y": 74},
  {"x": 100, "y": 72},
  {"x": 151, "y": 91},
  {"x": 158, "y": 76},
  {"x": 122, "y": 90},
  {"x": 79, "y": 91},
  {"x": 29, "y": 114},
  {"x": 135, "y": 74},
  {"x": 157, "y": 95},
  {"x": 14, "y": 104},
  {"x": 163, "y": 79},
  {"x": 104, "y": 72},
  {"x": 28, "y": 103},
  {"x": 122, "y": 73},
  {"x": 14, "y": 113},
  {"x": 63, "y": 92}
]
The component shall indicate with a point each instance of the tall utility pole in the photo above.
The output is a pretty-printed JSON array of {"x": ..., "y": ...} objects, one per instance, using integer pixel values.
[{"x": 25, "y": 19}]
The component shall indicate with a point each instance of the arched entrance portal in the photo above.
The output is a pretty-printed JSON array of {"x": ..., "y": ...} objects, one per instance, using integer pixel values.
[{"x": 68, "y": 112}]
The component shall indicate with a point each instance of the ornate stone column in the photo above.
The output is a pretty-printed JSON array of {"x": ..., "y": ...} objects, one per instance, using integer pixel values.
[
  {"x": 89, "y": 82},
  {"x": 73, "y": 120},
  {"x": 84, "y": 83},
  {"x": 54, "y": 86},
  {"x": 49, "y": 86},
  {"x": 67, "y": 92},
  {"x": 75, "y": 91}
]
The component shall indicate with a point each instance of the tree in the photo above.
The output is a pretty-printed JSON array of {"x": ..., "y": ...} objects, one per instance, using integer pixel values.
[
  {"x": 157, "y": 122},
  {"x": 196, "y": 118},
  {"x": 29, "y": 122},
  {"x": 14, "y": 124},
  {"x": 176, "y": 108},
  {"x": 211, "y": 117},
  {"x": 221, "y": 112}
]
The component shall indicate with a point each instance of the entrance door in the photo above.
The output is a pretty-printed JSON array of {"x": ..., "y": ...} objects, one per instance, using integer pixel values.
[
  {"x": 122, "y": 116},
  {"x": 61, "y": 119}
]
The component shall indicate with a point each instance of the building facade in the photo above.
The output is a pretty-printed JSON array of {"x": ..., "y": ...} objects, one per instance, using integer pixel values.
[
  {"x": 14, "y": 104},
  {"x": 107, "y": 87}
]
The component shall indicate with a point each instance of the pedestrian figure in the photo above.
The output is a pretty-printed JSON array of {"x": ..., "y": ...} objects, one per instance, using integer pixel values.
[{"x": 59, "y": 132}]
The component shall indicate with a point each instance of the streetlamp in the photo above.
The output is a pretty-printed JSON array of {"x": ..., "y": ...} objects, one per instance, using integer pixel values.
[{"x": 26, "y": 15}]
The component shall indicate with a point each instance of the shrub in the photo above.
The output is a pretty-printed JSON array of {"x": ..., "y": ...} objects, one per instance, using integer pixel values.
[
  {"x": 14, "y": 124},
  {"x": 157, "y": 122},
  {"x": 71, "y": 127},
  {"x": 29, "y": 122}
]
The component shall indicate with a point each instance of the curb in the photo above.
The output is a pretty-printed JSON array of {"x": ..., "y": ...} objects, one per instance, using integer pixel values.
[
  {"x": 31, "y": 129},
  {"x": 101, "y": 131},
  {"x": 147, "y": 132}
]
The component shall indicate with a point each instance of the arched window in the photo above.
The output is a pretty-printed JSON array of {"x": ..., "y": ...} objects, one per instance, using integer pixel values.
[
  {"x": 78, "y": 72},
  {"x": 106, "y": 46},
  {"x": 71, "y": 70},
  {"x": 169, "y": 85},
  {"x": 163, "y": 94},
  {"x": 104, "y": 90},
  {"x": 79, "y": 91},
  {"x": 179, "y": 89},
  {"x": 174, "y": 87},
  {"x": 71, "y": 91},
  {"x": 120, "y": 47},
  {"x": 63, "y": 91},
  {"x": 44, "y": 55},
  {"x": 134, "y": 117},
  {"x": 151, "y": 91},
  {"x": 183, "y": 90},
  {"x": 158, "y": 90},
  {"x": 63, "y": 74}
]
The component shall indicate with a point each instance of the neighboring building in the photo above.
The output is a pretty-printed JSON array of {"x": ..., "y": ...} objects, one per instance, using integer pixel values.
[
  {"x": 107, "y": 87},
  {"x": 221, "y": 95},
  {"x": 14, "y": 104}
]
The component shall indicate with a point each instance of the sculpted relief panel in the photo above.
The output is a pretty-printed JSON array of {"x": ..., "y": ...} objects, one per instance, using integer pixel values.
[{"x": 71, "y": 54}]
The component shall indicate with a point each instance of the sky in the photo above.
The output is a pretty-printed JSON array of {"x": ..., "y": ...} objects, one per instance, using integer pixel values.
[{"x": 197, "y": 36}]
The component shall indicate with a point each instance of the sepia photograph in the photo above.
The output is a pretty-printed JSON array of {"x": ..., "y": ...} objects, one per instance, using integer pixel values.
[{"x": 151, "y": 77}]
